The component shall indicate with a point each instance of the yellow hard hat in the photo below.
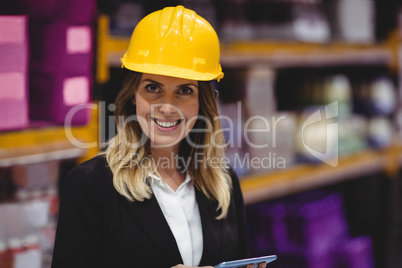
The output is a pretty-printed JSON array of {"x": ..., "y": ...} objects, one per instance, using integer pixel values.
[{"x": 177, "y": 42}]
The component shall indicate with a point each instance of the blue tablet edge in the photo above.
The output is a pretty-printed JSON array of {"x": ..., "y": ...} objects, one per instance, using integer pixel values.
[{"x": 237, "y": 263}]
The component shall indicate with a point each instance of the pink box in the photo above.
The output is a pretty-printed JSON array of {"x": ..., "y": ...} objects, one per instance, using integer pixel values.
[
  {"x": 77, "y": 11},
  {"x": 73, "y": 11},
  {"x": 61, "y": 46},
  {"x": 13, "y": 72},
  {"x": 61, "y": 71},
  {"x": 13, "y": 101},
  {"x": 13, "y": 43},
  {"x": 13, "y": 30},
  {"x": 13, "y": 57},
  {"x": 34, "y": 9},
  {"x": 56, "y": 96}
]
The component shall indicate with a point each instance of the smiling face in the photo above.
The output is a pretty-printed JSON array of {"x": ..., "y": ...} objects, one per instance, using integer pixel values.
[{"x": 166, "y": 108}]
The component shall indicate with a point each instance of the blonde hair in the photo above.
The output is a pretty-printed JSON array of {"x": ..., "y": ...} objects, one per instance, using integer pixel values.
[{"x": 128, "y": 152}]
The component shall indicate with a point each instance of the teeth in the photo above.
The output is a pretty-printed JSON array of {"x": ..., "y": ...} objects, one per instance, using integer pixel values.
[{"x": 166, "y": 124}]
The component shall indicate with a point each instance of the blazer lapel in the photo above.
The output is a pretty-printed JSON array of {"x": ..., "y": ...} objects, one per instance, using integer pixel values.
[
  {"x": 211, "y": 230},
  {"x": 149, "y": 217}
]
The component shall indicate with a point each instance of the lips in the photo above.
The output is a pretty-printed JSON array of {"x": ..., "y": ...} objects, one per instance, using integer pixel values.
[{"x": 167, "y": 124}]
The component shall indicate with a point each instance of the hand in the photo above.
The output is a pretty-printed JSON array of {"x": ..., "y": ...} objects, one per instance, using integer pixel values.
[{"x": 260, "y": 265}]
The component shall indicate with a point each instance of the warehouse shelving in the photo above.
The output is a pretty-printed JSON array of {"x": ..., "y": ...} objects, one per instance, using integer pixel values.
[
  {"x": 292, "y": 54},
  {"x": 42, "y": 144},
  {"x": 276, "y": 54},
  {"x": 279, "y": 183}
]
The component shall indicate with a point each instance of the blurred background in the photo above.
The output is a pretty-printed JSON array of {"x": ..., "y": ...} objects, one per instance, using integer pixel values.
[{"x": 311, "y": 111}]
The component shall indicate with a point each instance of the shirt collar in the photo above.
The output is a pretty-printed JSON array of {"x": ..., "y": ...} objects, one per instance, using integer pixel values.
[{"x": 156, "y": 180}]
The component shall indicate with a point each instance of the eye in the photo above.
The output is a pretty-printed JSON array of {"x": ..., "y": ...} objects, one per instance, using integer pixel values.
[
  {"x": 152, "y": 88},
  {"x": 185, "y": 91}
]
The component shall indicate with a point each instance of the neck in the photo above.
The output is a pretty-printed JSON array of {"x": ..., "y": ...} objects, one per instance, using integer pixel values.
[
  {"x": 166, "y": 163},
  {"x": 169, "y": 152},
  {"x": 166, "y": 158}
]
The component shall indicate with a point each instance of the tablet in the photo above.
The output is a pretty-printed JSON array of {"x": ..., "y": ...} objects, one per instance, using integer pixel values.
[{"x": 244, "y": 262}]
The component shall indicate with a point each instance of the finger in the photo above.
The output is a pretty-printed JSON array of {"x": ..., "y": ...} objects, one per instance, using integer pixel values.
[
  {"x": 251, "y": 265},
  {"x": 262, "y": 264}
]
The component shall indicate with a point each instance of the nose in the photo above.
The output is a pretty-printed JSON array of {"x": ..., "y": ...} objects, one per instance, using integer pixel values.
[
  {"x": 168, "y": 109},
  {"x": 168, "y": 105}
]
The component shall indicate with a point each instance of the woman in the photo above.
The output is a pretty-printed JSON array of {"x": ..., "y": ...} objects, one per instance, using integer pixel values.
[{"x": 160, "y": 196}]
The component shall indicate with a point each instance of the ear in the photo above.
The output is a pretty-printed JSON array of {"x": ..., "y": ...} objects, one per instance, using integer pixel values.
[{"x": 133, "y": 100}]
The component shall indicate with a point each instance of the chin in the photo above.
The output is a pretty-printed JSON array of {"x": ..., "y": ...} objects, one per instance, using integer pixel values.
[{"x": 164, "y": 143}]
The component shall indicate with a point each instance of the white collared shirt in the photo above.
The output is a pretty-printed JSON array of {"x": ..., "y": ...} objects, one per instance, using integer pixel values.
[{"x": 181, "y": 212}]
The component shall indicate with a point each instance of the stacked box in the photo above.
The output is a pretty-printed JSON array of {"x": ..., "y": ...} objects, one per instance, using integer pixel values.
[
  {"x": 74, "y": 11},
  {"x": 355, "y": 253},
  {"x": 268, "y": 233},
  {"x": 349, "y": 253},
  {"x": 34, "y": 9},
  {"x": 61, "y": 47},
  {"x": 304, "y": 259},
  {"x": 61, "y": 67},
  {"x": 316, "y": 220},
  {"x": 312, "y": 220},
  {"x": 13, "y": 72},
  {"x": 77, "y": 11},
  {"x": 307, "y": 230},
  {"x": 61, "y": 71}
]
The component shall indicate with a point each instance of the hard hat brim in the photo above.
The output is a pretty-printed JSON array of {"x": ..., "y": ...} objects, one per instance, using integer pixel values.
[{"x": 173, "y": 71}]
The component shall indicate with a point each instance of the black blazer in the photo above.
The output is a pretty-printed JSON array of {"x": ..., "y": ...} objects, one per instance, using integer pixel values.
[{"x": 98, "y": 227}]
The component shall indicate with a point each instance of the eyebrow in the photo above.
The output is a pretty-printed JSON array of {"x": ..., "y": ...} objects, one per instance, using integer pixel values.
[
  {"x": 160, "y": 84},
  {"x": 151, "y": 81}
]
